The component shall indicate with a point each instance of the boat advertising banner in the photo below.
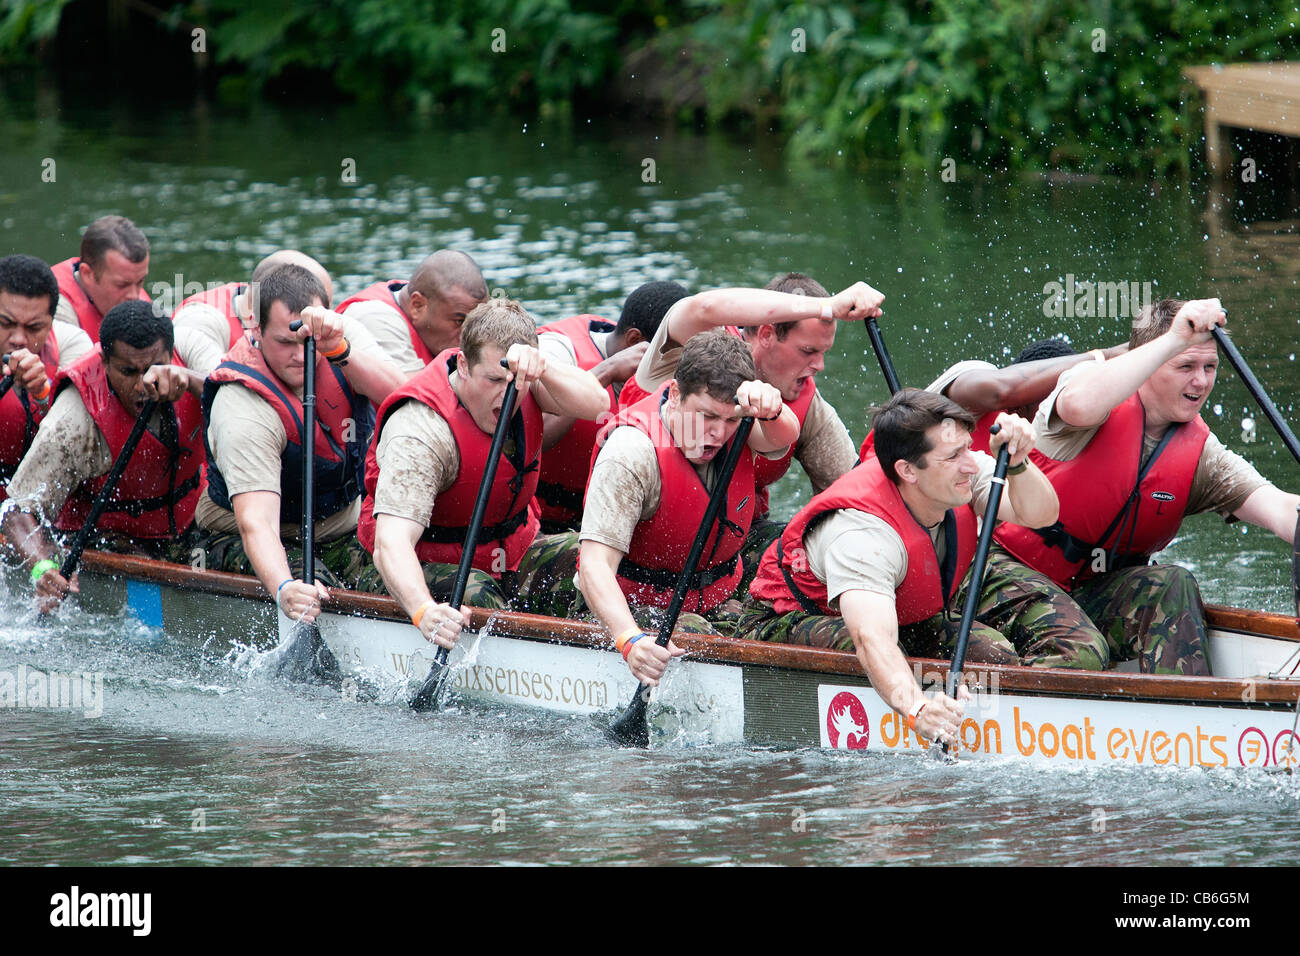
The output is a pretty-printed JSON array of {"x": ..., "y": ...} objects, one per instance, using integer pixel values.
[{"x": 1077, "y": 731}]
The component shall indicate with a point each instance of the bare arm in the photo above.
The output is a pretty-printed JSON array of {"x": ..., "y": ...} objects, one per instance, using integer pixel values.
[
  {"x": 370, "y": 374},
  {"x": 597, "y": 567},
  {"x": 984, "y": 390},
  {"x": 873, "y": 625},
  {"x": 1030, "y": 499},
  {"x": 395, "y": 540},
  {"x": 558, "y": 388},
  {"x": 1273, "y": 509},
  {"x": 258, "y": 516},
  {"x": 745, "y": 307}
]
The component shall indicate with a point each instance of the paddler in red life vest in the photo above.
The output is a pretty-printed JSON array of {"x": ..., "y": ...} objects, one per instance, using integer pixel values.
[
  {"x": 789, "y": 327},
  {"x": 111, "y": 269},
  {"x": 611, "y": 353},
  {"x": 1130, "y": 456},
  {"x": 417, "y": 320},
  {"x": 37, "y": 348},
  {"x": 209, "y": 323},
  {"x": 96, "y": 402},
  {"x": 878, "y": 562},
  {"x": 252, "y": 403},
  {"x": 428, "y": 460},
  {"x": 649, "y": 489}
]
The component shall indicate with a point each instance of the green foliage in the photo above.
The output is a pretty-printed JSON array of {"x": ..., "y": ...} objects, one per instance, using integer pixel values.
[
  {"x": 24, "y": 23},
  {"x": 998, "y": 83},
  {"x": 994, "y": 83},
  {"x": 423, "y": 52}
]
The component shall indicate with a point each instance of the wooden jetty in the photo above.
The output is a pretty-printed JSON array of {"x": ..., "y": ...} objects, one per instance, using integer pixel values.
[{"x": 1258, "y": 96}]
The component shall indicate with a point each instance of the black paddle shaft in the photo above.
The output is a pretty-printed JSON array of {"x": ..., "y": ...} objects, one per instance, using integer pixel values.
[
  {"x": 427, "y": 696},
  {"x": 1257, "y": 391},
  {"x": 977, "y": 567},
  {"x": 7, "y": 382},
  {"x": 631, "y": 728},
  {"x": 882, "y": 355},
  {"x": 309, "y": 460},
  {"x": 110, "y": 483}
]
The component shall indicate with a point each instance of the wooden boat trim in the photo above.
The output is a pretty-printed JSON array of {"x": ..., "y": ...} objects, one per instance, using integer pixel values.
[{"x": 724, "y": 650}]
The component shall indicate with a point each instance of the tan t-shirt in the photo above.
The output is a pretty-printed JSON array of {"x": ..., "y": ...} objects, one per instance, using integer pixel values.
[
  {"x": 1223, "y": 479},
  {"x": 625, "y": 487},
  {"x": 823, "y": 448},
  {"x": 202, "y": 335},
  {"x": 390, "y": 330},
  {"x": 418, "y": 460},
  {"x": 852, "y": 550},
  {"x": 248, "y": 440}
]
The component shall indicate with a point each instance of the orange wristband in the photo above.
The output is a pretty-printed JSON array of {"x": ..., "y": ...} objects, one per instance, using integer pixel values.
[
  {"x": 915, "y": 713},
  {"x": 44, "y": 393},
  {"x": 418, "y": 616},
  {"x": 623, "y": 638},
  {"x": 335, "y": 353}
]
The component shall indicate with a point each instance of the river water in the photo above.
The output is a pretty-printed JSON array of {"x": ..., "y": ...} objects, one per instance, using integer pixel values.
[{"x": 192, "y": 761}]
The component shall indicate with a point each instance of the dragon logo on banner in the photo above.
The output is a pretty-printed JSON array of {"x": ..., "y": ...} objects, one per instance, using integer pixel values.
[{"x": 846, "y": 722}]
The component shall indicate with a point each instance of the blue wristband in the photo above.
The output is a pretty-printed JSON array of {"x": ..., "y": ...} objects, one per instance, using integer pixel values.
[{"x": 281, "y": 587}]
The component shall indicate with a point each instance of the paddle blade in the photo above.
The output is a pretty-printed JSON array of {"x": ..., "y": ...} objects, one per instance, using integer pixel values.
[
  {"x": 633, "y": 728},
  {"x": 302, "y": 656},
  {"x": 429, "y": 696}
]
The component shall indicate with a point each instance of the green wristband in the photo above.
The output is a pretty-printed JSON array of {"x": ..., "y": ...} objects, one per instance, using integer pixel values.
[
  {"x": 1018, "y": 469},
  {"x": 38, "y": 571}
]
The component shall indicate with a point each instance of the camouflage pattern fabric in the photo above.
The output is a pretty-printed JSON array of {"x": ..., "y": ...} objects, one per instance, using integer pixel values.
[
  {"x": 544, "y": 585},
  {"x": 342, "y": 562},
  {"x": 761, "y": 534},
  {"x": 1021, "y": 618},
  {"x": 1153, "y": 613}
]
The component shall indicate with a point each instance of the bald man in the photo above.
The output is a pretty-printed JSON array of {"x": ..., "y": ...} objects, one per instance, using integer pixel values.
[
  {"x": 414, "y": 321},
  {"x": 209, "y": 324}
]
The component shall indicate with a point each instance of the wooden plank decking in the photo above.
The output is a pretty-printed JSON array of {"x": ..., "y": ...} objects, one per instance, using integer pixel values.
[{"x": 1259, "y": 96}]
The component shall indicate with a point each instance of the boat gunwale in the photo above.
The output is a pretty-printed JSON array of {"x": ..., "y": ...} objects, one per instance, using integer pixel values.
[{"x": 1060, "y": 682}]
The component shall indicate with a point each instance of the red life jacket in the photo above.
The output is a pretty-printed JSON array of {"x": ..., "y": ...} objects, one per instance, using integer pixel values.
[
  {"x": 222, "y": 298},
  {"x": 156, "y": 495},
  {"x": 633, "y": 393},
  {"x": 509, "y": 523},
  {"x": 785, "y": 579},
  {"x": 88, "y": 314},
  {"x": 649, "y": 571},
  {"x": 344, "y": 423},
  {"x": 20, "y": 416},
  {"x": 386, "y": 292},
  {"x": 566, "y": 465},
  {"x": 1103, "y": 503},
  {"x": 769, "y": 470}
]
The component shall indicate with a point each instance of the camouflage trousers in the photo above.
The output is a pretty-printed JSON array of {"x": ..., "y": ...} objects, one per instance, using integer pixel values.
[
  {"x": 185, "y": 548},
  {"x": 545, "y": 584},
  {"x": 1153, "y": 613},
  {"x": 1022, "y": 617},
  {"x": 338, "y": 563},
  {"x": 761, "y": 535}
]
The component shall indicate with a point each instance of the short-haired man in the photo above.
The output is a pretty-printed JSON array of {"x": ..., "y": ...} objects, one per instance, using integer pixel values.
[
  {"x": 1130, "y": 456},
  {"x": 789, "y": 327},
  {"x": 252, "y": 403},
  {"x": 97, "y": 400},
  {"x": 431, "y": 446},
  {"x": 611, "y": 353},
  {"x": 111, "y": 269},
  {"x": 209, "y": 323},
  {"x": 36, "y": 346},
  {"x": 417, "y": 320},
  {"x": 880, "y": 559},
  {"x": 650, "y": 485}
]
